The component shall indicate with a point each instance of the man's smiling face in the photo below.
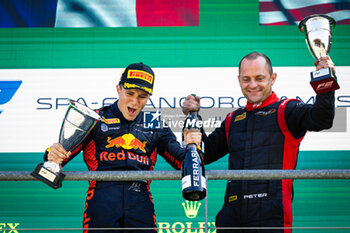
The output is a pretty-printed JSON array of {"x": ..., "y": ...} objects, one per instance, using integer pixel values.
[{"x": 255, "y": 80}]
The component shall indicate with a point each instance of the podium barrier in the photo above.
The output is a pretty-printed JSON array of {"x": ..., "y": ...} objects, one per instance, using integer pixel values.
[{"x": 176, "y": 175}]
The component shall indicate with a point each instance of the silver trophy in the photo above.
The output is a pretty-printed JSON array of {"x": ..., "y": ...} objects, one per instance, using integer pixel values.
[
  {"x": 78, "y": 122},
  {"x": 318, "y": 34}
]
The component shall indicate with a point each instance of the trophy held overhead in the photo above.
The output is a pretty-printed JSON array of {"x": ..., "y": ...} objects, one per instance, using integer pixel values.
[{"x": 318, "y": 34}]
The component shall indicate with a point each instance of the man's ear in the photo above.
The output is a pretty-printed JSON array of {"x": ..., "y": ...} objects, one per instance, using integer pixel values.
[
  {"x": 118, "y": 89},
  {"x": 273, "y": 77}
]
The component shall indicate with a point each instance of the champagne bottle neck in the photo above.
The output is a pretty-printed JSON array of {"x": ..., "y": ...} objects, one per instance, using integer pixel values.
[
  {"x": 192, "y": 114},
  {"x": 191, "y": 146},
  {"x": 192, "y": 121}
]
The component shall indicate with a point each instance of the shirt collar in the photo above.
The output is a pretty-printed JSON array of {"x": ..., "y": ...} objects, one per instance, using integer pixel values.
[
  {"x": 116, "y": 110},
  {"x": 270, "y": 100}
]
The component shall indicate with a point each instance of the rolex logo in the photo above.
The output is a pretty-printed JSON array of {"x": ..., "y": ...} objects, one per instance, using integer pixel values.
[{"x": 191, "y": 208}]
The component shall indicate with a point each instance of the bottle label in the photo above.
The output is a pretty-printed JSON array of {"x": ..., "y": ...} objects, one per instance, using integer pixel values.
[
  {"x": 204, "y": 182},
  {"x": 186, "y": 182}
]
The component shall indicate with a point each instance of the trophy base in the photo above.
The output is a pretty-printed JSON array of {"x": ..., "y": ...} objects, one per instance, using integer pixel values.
[
  {"x": 323, "y": 81},
  {"x": 48, "y": 177}
]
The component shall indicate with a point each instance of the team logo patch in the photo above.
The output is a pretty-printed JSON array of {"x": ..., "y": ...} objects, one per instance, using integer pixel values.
[
  {"x": 232, "y": 198},
  {"x": 265, "y": 113},
  {"x": 104, "y": 127},
  {"x": 241, "y": 117},
  {"x": 127, "y": 141},
  {"x": 111, "y": 121},
  {"x": 140, "y": 75}
]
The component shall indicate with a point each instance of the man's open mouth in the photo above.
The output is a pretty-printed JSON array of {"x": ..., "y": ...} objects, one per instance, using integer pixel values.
[{"x": 131, "y": 110}]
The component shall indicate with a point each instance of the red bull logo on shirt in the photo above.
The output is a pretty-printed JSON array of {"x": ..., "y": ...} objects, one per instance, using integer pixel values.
[
  {"x": 127, "y": 141},
  {"x": 123, "y": 155}
]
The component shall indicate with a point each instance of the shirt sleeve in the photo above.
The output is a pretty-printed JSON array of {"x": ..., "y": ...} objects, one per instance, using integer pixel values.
[
  {"x": 301, "y": 117},
  {"x": 74, "y": 153},
  {"x": 170, "y": 149},
  {"x": 215, "y": 145}
]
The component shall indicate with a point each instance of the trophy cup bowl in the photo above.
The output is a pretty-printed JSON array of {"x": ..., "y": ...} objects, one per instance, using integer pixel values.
[
  {"x": 77, "y": 123},
  {"x": 318, "y": 34}
]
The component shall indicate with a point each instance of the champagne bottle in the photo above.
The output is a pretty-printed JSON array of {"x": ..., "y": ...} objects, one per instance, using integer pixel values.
[{"x": 194, "y": 185}]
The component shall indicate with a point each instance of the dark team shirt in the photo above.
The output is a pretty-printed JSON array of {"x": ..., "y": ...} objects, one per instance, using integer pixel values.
[
  {"x": 299, "y": 118},
  {"x": 119, "y": 144}
]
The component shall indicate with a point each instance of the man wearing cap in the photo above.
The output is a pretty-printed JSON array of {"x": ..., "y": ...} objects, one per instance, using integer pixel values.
[{"x": 121, "y": 142}]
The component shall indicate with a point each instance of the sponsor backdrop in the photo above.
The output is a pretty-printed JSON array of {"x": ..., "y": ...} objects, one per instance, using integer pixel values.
[{"x": 40, "y": 67}]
